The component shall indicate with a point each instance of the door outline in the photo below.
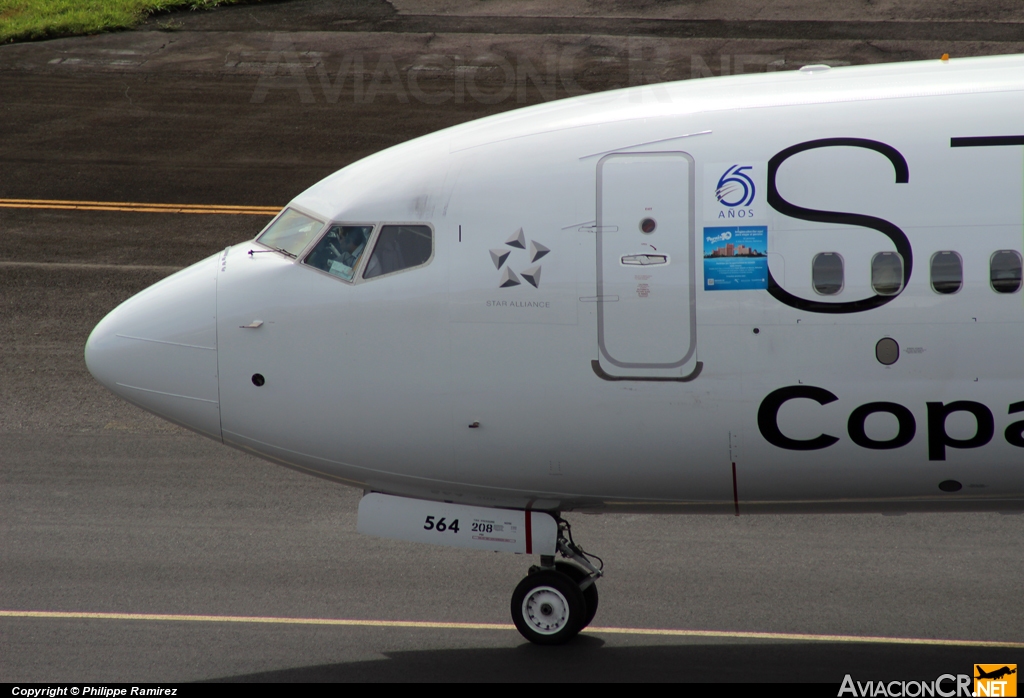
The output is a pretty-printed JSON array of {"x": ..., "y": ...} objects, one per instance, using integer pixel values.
[{"x": 691, "y": 281}]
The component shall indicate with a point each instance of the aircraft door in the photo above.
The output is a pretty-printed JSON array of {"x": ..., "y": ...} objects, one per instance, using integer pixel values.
[{"x": 646, "y": 320}]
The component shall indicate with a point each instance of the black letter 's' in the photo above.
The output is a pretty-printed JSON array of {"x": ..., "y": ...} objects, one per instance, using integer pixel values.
[{"x": 891, "y": 231}]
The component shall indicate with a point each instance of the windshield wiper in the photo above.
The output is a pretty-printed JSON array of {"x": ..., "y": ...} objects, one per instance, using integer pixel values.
[{"x": 274, "y": 249}]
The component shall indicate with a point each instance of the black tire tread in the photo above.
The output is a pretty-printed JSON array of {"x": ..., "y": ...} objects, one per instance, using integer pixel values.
[
  {"x": 590, "y": 597},
  {"x": 568, "y": 588}
]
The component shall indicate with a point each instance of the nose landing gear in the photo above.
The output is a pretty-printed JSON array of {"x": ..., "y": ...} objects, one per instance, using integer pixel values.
[{"x": 557, "y": 600}]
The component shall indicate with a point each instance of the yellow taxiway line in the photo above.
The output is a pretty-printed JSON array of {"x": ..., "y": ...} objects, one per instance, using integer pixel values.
[
  {"x": 132, "y": 207},
  {"x": 659, "y": 632}
]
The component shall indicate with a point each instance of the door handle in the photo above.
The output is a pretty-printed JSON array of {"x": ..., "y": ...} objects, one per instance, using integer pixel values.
[{"x": 644, "y": 260}]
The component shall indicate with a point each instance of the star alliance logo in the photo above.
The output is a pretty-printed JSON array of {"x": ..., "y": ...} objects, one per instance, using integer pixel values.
[{"x": 517, "y": 241}]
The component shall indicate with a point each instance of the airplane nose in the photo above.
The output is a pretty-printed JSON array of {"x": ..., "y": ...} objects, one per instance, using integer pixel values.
[{"x": 158, "y": 349}]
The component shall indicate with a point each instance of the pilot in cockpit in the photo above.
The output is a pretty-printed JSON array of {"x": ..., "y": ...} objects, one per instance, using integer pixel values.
[
  {"x": 353, "y": 242},
  {"x": 338, "y": 252}
]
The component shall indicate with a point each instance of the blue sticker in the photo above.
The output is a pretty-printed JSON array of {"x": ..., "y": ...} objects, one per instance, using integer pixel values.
[{"x": 736, "y": 258}]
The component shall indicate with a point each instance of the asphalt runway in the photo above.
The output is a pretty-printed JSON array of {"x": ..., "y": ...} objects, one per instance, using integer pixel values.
[{"x": 188, "y": 550}]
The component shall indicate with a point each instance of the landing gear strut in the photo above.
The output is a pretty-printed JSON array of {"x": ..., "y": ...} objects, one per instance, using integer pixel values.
[{"x": 557, "y": 600}]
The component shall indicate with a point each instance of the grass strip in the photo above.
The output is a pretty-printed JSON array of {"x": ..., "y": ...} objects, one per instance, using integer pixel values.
[{"x": 29, "y": 20}]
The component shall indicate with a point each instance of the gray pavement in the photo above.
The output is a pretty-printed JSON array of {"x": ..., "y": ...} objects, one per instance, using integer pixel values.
[{"x": 107, "y": 509}]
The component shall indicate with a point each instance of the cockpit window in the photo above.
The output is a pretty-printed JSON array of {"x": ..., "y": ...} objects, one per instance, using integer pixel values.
[
  {"x": 339, "y": 251},
  {"x": 291, "y": 232},
  {"x": 400, "y": 247}
]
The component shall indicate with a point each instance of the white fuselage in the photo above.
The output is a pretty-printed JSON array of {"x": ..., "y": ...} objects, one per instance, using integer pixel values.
[{"x": 616, "y": 377}]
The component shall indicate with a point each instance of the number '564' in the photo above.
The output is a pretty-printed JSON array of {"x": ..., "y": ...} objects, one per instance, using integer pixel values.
[{"x": 441, "y": 525}]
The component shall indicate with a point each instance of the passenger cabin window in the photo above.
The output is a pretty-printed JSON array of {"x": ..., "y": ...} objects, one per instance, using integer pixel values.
[
  {"x": 1005, "y": 271},
  {"x": 400, "y": 247},
  {"x": 947, "y": 272},
  {"x": 291, "y": 232},
  {"x": 827, "y": 273},
  {"x": 887, "y": 273},
  {"x": 340, "y": 250}
]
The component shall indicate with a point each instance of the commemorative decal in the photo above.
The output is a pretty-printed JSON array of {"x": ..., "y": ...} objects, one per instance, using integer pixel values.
[{"x": 735, "y": 233}]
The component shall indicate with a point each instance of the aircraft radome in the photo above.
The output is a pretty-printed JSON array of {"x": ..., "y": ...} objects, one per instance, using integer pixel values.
[{"x": 793, "y": 292}]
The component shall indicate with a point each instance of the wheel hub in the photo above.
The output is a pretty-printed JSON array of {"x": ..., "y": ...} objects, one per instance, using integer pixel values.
[{"x": 546, "y": 610}]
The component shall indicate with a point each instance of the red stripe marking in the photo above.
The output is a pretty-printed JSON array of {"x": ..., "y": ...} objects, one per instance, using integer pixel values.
[
  {"x": 529, "y": 532},
  {"x": 735, "y": 492}
]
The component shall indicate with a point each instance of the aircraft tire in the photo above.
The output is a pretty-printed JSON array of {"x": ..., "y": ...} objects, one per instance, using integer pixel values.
[
  {"x": 590, "y": 600},
  {"x": 548, "y": 608}
]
